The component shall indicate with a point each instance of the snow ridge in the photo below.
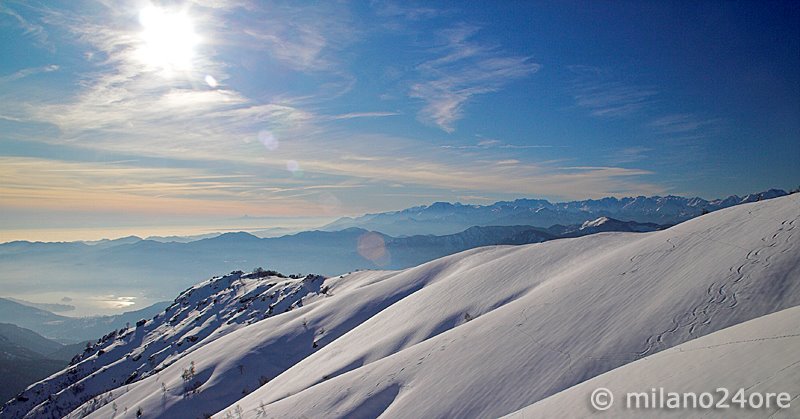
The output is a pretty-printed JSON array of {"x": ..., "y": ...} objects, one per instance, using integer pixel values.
[{"x": 201, "y": 314}]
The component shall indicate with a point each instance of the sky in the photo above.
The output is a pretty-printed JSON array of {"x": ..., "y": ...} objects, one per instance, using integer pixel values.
[{"x": 148, "y": 117}]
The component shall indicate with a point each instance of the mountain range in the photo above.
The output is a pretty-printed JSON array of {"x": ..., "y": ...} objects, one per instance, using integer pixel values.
[
  {"x": 491, "y": 331},
  {"x": 147, "y": 271},
  {"x": 133, "y": 266},
  {"x": 447, "y": 218}
]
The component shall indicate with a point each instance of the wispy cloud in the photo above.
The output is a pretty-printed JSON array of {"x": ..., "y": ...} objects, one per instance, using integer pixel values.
[
  {"x": 393, "y": 9},
  {"x": 513, "y": 176},
  {"x": 354, "y": 115},
  {"x": 101, "y": 187},
  {"x": 509, "y": 162},
  {"x": 611, "y": 99},
  {"x": 12, "y": 118},
  {"x": 35, "y": 31},
  {"x": 302, "y": 49},
  {"x": 463, "y": 69},
  {"x": 304, "y": 38},
  {"x": 594, "y": 89},
  {"x": 403, "y": 16},
  {"x": 682, "y": 123},
  {"x": 25, "y": 72},
  {"x": 125, "y": 105},
  {"x": 629, "y": 155},
  {"x": 486, "y": 144},
  {"x": 676, "y": 133}
]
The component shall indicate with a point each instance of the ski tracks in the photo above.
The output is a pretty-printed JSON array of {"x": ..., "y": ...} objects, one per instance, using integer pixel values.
[{"x": 723, "y": 295}]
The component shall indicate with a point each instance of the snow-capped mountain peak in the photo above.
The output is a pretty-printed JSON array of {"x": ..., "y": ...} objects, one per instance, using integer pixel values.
[{"x": 595, "y": 223}]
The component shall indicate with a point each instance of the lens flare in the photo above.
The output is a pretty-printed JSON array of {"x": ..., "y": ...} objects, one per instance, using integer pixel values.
[
  {"x": 294, "y": 167},
  {"x": 269, "y": 141},
  {"x": 372, "y": 247}
]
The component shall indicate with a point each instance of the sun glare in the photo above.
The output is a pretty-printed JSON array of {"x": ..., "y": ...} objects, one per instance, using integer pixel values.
[{"x": 168, "y": 39}]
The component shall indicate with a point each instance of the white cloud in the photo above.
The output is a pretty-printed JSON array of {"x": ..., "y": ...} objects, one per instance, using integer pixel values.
[
  {"x": 629, "y": 155},
  {"x": 396, "y": 10},
  {"x": 604, "y": 96},
  {"x": 35, "y": 31},
  {"x": 487, "y": 143},
  {"x": 682, "y": 124},
  {"x": 123, "y": 105},
  {"x": 307, "y": 39},
  {"x": 463, "y": 69},
  {"x": 611, "y": 99},
  {"x": 125, "y": 186},
  {"x": 25, "y": 72},
  {"x": 509, "y": 162},
  {"x": 353, "y": 115}
]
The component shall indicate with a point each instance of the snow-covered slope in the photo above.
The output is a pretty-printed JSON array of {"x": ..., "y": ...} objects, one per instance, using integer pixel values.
[
  {"x": 761, "y": 355},
  {"x": 200, "y": 315},
  {"x": 545, "y": 317},
  {"x": 482, "y": 333}
]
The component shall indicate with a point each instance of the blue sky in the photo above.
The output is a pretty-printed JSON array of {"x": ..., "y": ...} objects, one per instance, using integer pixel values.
[{"x": 145, "y": 114}]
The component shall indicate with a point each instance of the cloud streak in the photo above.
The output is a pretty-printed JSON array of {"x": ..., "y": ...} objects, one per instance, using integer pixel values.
[
  {"x": 613, "y": 100},
  {"x": 101, "y": 187},
  {"x": 487, "y": 144},
  {"x": 37, "y": 32},
  {"x": 682, "y": 123},
  {"x": 25, "y": 72},
  {"x": 310, "y": 39},
  {"x": 594, "y": 89},
  {"x": 354, "y": 115},
  {"x": 462, "y": 70}
]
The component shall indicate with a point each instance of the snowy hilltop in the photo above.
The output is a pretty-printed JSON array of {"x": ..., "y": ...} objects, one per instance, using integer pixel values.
[{"x": 526, "y": 331}]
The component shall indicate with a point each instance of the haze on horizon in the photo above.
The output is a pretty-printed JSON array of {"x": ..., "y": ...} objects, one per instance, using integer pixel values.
[{"x": 175, "y": 117}]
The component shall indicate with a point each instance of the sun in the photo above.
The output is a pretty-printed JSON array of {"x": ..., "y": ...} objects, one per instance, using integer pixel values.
[{"x": 168, "y": 39}]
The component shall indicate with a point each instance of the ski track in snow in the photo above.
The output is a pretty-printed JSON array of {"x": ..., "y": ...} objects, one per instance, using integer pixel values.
[
  {"x": 572, "y": 402},
  {"x": 716, "y": 294}
]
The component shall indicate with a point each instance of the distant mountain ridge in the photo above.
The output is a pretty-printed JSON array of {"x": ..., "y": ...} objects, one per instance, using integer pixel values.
[
  {"x": 164, "y": 268},
  {"x": 65, "y": 329},
  {"x": 447, "y": 218},
  {"x": 51, "y": 307}
]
